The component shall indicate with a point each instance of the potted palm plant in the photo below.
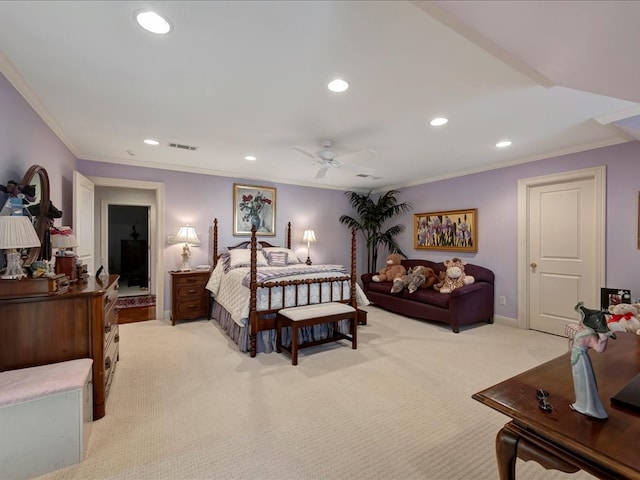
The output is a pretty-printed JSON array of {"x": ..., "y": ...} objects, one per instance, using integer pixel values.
[{"x": 372, "y": 216}]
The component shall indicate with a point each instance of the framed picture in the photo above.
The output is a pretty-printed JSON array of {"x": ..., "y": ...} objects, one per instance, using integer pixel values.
[
  {"x": 253, "y": 205},
  {"x": 455, "y": 230},
  {"x": 613, "y": 296}
]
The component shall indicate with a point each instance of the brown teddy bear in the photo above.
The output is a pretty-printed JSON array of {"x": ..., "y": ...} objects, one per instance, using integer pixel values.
[{"x": 393, "y": 270}]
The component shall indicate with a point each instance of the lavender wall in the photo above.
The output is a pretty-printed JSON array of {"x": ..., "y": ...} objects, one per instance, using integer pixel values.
[
  {"x": 26, "y": 140},
  {"x": 494, "y": 193}
]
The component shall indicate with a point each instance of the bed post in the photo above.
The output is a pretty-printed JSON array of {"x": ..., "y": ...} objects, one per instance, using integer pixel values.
[
  {"x": 253, "y": 315},
  {"x": 354, "y": 303},
  {"x": 289, "y": 235},
  {"x": 215, "y": 242}
]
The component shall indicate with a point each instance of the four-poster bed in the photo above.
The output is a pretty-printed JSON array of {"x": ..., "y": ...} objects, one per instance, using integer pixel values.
[{"x": 248, "y": 290}]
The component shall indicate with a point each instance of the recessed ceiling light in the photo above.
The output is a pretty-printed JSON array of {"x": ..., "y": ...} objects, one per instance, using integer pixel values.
[
  {"x": 251, "y": 158},
  {"x": 503, "y": 143},
  {"x": 338, "y": 85},
  {"x": 436, "y": 122},
  {"x": 150, "y": 141},
  {"x": 153, "y": 22}
]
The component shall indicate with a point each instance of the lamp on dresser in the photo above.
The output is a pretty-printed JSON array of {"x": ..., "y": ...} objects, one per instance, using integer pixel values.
[
  {"x": 65, "y": 241},
  {"x": 16, "y": 232},
  {"x": 189, "y": 237}
]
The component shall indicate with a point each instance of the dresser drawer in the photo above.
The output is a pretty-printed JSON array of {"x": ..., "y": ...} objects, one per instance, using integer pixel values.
[
  {"x": 189, "y": 292},
  {"x": 110, "y": 361},
  {"x": 192, "y": 309}
]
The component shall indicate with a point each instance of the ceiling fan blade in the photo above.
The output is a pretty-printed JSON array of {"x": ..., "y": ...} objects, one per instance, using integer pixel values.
[
  {"x": 359, "y": 169},
  {"x": 302, "y": 150},
  {"x": 322, "y": 171},
  {"x": 361, "y": 154}
]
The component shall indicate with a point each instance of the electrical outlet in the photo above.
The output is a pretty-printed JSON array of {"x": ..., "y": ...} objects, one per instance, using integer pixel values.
[{"x": 502, "y": 300}]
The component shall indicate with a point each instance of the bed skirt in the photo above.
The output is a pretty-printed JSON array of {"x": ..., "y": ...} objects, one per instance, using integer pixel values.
[{"x": 266, "y": 340}]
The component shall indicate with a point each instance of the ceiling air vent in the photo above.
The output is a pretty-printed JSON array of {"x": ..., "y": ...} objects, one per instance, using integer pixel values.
[
  {"x": 182, "y": 146},
  {"x": 364, "y": 175}
]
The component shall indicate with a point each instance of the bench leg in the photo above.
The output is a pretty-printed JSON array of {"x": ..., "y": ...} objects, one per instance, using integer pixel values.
[
  {"x": 354, "y": 335},
  {"x": 294, "y": 344},
  {"x": 278, "y": 335}
]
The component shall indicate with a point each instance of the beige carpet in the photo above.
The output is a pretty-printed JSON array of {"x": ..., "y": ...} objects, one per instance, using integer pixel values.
[{"x": 185, "y": 404}]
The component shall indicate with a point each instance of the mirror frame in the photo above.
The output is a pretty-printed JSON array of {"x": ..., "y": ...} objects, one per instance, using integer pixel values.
[{"x": 41, "y": 222}]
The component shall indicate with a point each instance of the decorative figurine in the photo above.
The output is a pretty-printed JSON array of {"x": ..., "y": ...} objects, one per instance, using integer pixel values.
[{"x": 593, "y": 332}]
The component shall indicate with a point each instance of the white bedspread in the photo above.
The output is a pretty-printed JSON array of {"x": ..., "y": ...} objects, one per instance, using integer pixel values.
[{"x": 228, "y": 291}]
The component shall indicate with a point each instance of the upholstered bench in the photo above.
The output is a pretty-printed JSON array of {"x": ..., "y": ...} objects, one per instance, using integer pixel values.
[
  {"x": 45, "y": 417},
  {"x": 316, "y": 314}
]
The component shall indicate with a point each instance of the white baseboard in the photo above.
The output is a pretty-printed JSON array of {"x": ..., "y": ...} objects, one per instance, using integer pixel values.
[{"x": 509, "y": 322}]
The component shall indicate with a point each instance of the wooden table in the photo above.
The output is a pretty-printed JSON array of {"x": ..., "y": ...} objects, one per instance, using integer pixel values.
[{"x": 563, "y": 439}]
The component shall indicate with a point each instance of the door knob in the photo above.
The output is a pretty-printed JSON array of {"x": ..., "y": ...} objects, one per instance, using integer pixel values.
[{"x": 534, "y": 264}]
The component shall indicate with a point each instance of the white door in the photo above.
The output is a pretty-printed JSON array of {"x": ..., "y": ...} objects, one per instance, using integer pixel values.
[
  {"x": 564, "y": 251},
  {"x": 83, "y": 200}
]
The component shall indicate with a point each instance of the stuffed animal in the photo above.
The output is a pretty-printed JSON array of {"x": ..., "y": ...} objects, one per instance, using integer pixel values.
[
  {"x": 624, "y": 318},
  {"x": 455, "y": 276},
  {"x": 417, "y": 277},
  {"x": 393, "y": 270}
]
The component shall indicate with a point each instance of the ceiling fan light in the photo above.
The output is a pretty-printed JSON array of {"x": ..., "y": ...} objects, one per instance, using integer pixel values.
[
  {"x": 251, "y": 158},
  {"x": 338, "y": 85},
  {"x": 503, "y": 143},
  {"x": 436, "y": 122},
  {"x": 152, "y": 22}
]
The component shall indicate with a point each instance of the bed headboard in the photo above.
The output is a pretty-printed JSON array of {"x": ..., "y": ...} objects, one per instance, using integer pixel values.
[{"x": 244, "y": 244}]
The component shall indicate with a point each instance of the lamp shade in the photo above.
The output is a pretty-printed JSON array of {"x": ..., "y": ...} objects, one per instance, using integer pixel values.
[
  {"x": 63, "y": 237},
  {"x": 309, "y": 236},
  {"x": 17, "y": 232},
  {"x": 186, "y": 234}
]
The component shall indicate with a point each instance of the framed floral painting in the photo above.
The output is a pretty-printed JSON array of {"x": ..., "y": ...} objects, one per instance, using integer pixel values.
[
  {"x": 455, "y": 230},
  {"x": 253, "y": 205}
]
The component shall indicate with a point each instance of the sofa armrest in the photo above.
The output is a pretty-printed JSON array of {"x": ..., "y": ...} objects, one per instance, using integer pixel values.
[
  {"x": 469, "y": 288},
  {"x": 367, "y": 278}
]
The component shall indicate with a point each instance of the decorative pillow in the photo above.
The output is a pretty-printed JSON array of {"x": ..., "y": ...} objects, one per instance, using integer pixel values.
[
  {"x": 277, "y": 259},
  {"x": 292, "y": 258},
  {"x": 241, "y": 257},
  {"x": 225, "y": 258}
]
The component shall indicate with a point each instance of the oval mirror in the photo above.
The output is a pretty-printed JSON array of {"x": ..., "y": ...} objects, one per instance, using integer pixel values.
[{"x": 38, "y": 177}]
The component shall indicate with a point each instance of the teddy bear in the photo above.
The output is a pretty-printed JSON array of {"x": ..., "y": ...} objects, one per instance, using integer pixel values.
[
  {"x": 624, "y": 318},
  {"x": 455, "y": 276},
  {"x": 393, "y": 269}
]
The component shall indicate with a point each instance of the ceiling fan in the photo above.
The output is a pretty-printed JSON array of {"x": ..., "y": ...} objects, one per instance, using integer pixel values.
[{"x": 327, "y": 158}]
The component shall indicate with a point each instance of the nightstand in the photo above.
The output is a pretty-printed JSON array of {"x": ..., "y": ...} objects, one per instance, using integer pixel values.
[{"x": 189, "y": 297}]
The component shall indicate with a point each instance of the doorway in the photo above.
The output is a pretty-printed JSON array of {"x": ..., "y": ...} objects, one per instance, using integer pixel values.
[
  {"x": 561, "y": 240},
  {"x": 128, "y": 247}
]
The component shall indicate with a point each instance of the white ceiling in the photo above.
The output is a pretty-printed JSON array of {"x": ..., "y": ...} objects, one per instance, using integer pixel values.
[{"x": 237, "y": 78}]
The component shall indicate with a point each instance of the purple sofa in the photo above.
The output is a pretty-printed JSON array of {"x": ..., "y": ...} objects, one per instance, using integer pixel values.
[{"x": 466, "y": 305}]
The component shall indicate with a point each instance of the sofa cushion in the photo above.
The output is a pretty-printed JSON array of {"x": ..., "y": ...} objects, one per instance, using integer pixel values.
[
  {"x": 382, "y": 287},
  {"x": 428, "y": 295}
]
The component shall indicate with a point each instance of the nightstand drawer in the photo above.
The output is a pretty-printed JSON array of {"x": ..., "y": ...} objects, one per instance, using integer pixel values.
[
  {"x": 192, "y": 309},
  {"x": 192, "y": 280},
  {"x": 189, "y": 292}
]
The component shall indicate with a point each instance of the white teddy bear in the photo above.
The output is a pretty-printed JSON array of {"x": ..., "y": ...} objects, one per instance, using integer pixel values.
[{"x": 624, "y": 318}]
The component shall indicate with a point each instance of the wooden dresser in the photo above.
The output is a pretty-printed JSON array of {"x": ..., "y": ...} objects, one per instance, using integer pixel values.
[
  {"x": 80, "y": 323},
  {"x": 189, "y": 297}
]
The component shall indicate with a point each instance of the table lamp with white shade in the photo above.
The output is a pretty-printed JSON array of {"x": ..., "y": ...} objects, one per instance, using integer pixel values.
[
  {"x": 16, "y": 232},
  {"x": 187, "y": 235},
  {"x": 65, "y": 241},
  {"x": 308, "y": 236}
]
